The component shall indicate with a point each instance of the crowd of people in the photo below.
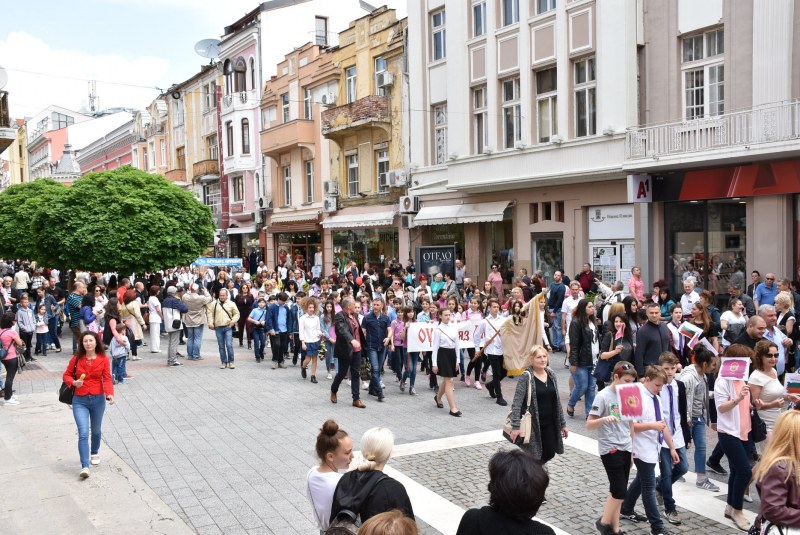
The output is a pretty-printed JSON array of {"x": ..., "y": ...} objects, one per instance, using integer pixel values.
[{"x": 356, "y": 322}]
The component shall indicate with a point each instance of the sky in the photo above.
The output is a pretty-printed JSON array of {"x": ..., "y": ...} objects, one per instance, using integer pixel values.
[{"x": 51, "y": 48}]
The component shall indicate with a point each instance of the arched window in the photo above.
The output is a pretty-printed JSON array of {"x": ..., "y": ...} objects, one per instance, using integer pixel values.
[
  {"x": 245, "y": 136},
  {"x": 252, "y": 73},
  {"x": 240, "y": 75},
  {"x": 227, "y": 70}
]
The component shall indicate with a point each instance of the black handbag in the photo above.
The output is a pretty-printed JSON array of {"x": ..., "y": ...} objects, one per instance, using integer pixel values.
[
  {"x": 66, "y": 392},
  {"x": 758, "y": 428}
]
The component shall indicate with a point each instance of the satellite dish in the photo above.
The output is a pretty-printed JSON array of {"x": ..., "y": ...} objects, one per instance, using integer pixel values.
[
  {"x": 207, "y": 48},
  {"x": 3, "y": 78}
]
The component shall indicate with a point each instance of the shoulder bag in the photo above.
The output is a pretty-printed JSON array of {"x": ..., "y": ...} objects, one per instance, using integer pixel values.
[
  {"x": 524, "y": 422},
  {"x": 65, "y": 393},
  {"x": 235, "y": 327},
  {"x": 604, "y": 367},
  {"x": 758, "y": 428},
  {"x": 4, "y": 349}
]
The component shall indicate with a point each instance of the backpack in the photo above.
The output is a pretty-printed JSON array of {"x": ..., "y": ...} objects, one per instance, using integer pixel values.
[{"x": 347, "y": 522}]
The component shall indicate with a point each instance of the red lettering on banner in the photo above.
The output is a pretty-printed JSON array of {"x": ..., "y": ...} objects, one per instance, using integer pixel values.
[
  {"x": 463, "y": 336},
  {"x": 426, "y": 335}
]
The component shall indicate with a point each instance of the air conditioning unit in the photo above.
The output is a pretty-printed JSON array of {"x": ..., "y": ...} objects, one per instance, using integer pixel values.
[
  {"x": 384, "y": 79},
  {"x": 405, "y": 221},
  {"x": 409, "y": 204},
  {"x": 258, "y": 217},
  {"x": 383, "y": 180},
  {"x": 328, "y": 99},
  {"x": 329, "y": 204},
  {"x": 397, "y": 178},
  {"x": 330, "y": 188},
  {"x": 265, "y": 203}
]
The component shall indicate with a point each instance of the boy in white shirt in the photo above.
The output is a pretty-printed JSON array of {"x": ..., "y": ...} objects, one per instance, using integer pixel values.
[{"x": 670, "y": 402}]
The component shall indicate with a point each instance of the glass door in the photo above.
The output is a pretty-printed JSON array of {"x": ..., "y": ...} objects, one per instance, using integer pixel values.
[{"x": 547, "y": 252}]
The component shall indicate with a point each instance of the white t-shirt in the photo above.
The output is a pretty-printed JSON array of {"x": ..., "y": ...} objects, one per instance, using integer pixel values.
[
  {"x": 646, "y": 445},
  {"x": 567, "y": 307},
  {"x": 320, "y": 487},
  {"x": 771, "y": 389},
  {"x": 152, "y": 303},
  {"x": 595, "y": 342},
  {"x": 734, "y": 323}
]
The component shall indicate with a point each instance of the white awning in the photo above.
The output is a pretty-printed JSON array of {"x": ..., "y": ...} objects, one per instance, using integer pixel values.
[
  {"x": 294, "y": 218},
  {"x": 460, "y": 213},
  {"x": 374, "y": 219},
  {"x": 241, "y": 230}
]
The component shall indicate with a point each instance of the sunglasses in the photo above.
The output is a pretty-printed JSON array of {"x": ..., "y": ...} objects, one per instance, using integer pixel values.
[{"x": 627, "y": 366}]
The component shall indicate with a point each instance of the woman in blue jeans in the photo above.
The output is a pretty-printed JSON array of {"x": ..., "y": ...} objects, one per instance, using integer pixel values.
[
  {"x": 89, "y": 373},
  {"x": 329, "y": 333},
  {"x": 584, "y": 346}
]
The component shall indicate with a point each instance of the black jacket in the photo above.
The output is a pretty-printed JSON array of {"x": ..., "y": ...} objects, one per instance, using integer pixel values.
[
  {"x": 580, "y": 343},
  {"x": 651, "y": 341},
  {"x": 344, "y": 335},
  {"x": 487, "y": 521},
  {"x": 683, "y": 409},
  {"x": 359, "y": 493}
]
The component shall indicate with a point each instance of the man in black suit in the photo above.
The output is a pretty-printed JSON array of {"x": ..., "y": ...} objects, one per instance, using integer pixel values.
[
  {"x": 349, "y": 341},
  {"x": 755, "y": 277}
]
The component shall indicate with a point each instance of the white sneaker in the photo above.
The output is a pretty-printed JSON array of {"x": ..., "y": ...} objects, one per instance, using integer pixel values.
[
  {"x": 94, "y": 460},
  {"x": 364, "y": 385},
  {"x": 478, "y": 385},
  {"x": 382, "y": 385},
  {"x": 330, "y": 376},
  {"x": 84, "y": 473},
  {"x": 12, "y": 401}
]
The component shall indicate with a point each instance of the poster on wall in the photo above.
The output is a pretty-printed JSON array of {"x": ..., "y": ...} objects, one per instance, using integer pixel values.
[
  {"x": 435, "y": 259},
  {"x": 604, "y": 263}
]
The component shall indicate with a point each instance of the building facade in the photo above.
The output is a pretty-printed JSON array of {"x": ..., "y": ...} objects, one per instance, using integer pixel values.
[{"x": 111, "y": 151}]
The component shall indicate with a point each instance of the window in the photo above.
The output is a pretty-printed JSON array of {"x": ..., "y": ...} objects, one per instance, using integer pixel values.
[
  {"x": 287, "y": 185},
  {"x": 512, "y": 118},
  {"x": 309, "y": 181},
  {"x": 509, "y": 11},
  {"x": 134, "y": 153},
  {"x": 480, "y": 124},
  {"x": 163, "y": 152},
  {"x": 211, "y": 197},
  {"x": 212, "y": 151},
  {"x": 240, "y": 75},
  {"x": 180, "y": 158},
  {"x": 478, "y": 19},
  {"x": 350, "y": 84},
  {"x": 703, "y": 73},
  {"x": 543, "y": 6},
  {"x": 380, "y": 68},
  {"x": 352, "y": 175},
  {"x": 245, "y": 136},
  {"x": 60, "y": 120},
  {"x": 145, "y": 160},
  {"x": 229, "y": 137},
  {"x": 382, "y": 168},
  {"x": 209, "y": 96},
  {"x": 440, "y": 133},
  {"x": 227, "y": 70},
  {"x": 252, "y": 73},
  {"x": 285, "y": 107},
  {"x": 585, "y": 85},
  {"x": 237, "y": 185},
  {"x": 547, "y": 121},
  {"x": 306, "y": 103},
  {"x": 177, "y": 112},
  {"x": 321, "y": 31},
  {"x": 438, "y": 36}
]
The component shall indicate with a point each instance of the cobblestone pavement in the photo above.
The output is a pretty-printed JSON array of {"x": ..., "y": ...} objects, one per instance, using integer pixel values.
[{"x": 228, "y": 450}]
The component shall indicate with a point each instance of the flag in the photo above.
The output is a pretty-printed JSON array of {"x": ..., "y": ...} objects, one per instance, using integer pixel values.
[{"x": 620, "y": 333}]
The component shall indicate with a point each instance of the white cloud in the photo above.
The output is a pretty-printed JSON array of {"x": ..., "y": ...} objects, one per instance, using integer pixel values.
[{"x": 66, "y": 74}]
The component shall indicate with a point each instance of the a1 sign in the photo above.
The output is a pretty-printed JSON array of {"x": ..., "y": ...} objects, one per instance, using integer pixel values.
[{"x": 640, "y": 188}]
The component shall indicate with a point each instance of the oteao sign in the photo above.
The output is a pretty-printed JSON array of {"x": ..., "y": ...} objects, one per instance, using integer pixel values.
[{"x": 640, "y": 188}]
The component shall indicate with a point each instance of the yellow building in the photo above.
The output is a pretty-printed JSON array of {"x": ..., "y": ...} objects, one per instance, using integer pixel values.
[
  {"x": 364, "y": 123},
  {"x": 17, "y": 155}
]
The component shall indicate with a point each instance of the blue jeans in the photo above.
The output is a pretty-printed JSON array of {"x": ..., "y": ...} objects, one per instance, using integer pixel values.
[
  {"x": 398, "y": 361},
  {"x": 699, "y": 439},
  {"x": 193, "y": 342},
  {"x": 42, "y": 341},
  {"x": 411, "y": 368},
  {"x": 739, "y": 464},
  {"x": 86, "y": 409},
  {"x": 331, "y": 362},
  {"x": 259, "y": 342},
  {"x": 584, "y": 386},
  {"x": 558, "y": 336},
  {"x": 376, "y": 359},
  {"x": 225, "y": 344},
  {"x": 644, "y": 484},
  {"x": 670, "y": 474},
  {"x": 118, "y": 368},
  {"x": 52, "y": 324}
]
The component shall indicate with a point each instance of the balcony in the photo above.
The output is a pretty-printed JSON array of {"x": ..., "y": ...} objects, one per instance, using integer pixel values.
[
  {"x": 367, "y": 112},
  {"x": 286, "y": 136},
  {"x": 205, "y": 168},
  {"x": 242, "y": 100},
  {"x": 761, "y": 132},
  {"x": 176, "y": 175},
  {"x": 153, "y": 130},
  {"x": 7, "y": 134}
]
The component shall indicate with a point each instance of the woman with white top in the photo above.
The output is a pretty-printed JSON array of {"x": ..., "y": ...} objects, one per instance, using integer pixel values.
[
  {"x": 155, "y": 316},
  {"x": 335, "y": 451},
  {"x": 310, "y": 337},
  {"x": 765, "y": 388},
  {"x": 445, "y": 360},
  {"x": 733, "y": 321},
  {"x": 732, "y": 398}
]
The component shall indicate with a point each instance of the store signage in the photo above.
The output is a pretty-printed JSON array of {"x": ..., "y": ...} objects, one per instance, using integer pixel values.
[
  {"x": 640, "y": 188},
  {"x": 611, "y": 222},
  {"x": 217, "y": 262},
  {"x": 436, "y": 259}
]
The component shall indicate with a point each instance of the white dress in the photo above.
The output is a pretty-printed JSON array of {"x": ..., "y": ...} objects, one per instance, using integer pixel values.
[{"x": 771, "y": 389}]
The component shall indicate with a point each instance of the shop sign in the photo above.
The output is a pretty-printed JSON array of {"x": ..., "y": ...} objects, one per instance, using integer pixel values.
[
  {"x": 640, "y": 188},
  {"x": 435, "y": 259},
  {"x": 611, "y": 222},
  {"x": 217, "y": 262}
]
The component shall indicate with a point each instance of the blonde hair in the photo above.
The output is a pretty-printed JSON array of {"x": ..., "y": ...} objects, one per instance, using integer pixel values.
[
  {"x": 392, "y": 522},
  {"x": 784, "y": 445},
  {"x": 376, "y": 448},
  {"x": 784, "y": 300},
  {"x": 536, "y": 348}
]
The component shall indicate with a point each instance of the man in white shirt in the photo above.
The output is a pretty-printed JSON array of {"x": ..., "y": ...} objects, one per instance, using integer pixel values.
[
  {"x": 568, "y": 307},
  {"x": 774, "y": 335},
  {"x": 493, "y": 348},
  {"x": 670, "y": 473},
  {"x": 688, "y": 298}
]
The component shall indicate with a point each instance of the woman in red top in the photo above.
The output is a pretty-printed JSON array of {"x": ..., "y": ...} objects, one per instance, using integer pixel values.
[{"x": 93, "y": 387}]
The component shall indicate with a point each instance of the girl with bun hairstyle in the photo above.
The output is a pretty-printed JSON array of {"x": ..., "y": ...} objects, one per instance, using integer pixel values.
[
  {"x": 335, "y": 451},
  {"x": 367, "y": 491}
]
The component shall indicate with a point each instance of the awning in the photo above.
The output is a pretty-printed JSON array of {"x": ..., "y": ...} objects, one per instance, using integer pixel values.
[
  {"x": 374, "y": 219},
  {"x": 294, "y": 218},
  {"x": 241, "y": 230},
  {"x": 460, "y": 213}
]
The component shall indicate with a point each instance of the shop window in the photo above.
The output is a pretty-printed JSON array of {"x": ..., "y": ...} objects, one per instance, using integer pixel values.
[
  {"x": 706, "y": 239},
  {"x": 376, "y": 246},
  {"x": 547, "y": 254},
  {"x": 499, "y": 240}
]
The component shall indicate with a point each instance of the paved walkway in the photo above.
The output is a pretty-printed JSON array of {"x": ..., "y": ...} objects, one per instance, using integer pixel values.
[{"x": 196, "y": 449}]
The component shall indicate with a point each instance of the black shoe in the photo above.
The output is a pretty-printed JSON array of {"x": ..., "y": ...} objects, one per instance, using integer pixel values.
[
  {"x": 381, "y": 398},
  {"x": 490, "y": 388},
  {"x": 633, "y": 516},
  {"x": 181, "y": 343},
  {"x": 436, "y": 400},
  {"x": 457, "y": 414},
  {"x": 502, "y": 402},
  {"x": 603, "y": 529},
  {"x": 662, "y": 531},
  {"x": 314, "y": 379},
  {"x": 303, "y": 372},
  {"x": 716, "y": 468}
]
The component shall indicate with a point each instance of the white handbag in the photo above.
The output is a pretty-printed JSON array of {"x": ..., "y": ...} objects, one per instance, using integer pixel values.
[{"x": 524, "y": 422}]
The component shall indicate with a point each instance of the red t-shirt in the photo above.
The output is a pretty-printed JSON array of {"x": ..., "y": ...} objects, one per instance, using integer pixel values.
[{"x": 98, "y": 376}]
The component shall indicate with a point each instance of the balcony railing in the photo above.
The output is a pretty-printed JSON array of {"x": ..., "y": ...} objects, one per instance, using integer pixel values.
[
  {"x": 285, "y": 136},
  {"x": 176, "y": 175},
  {"x": 240, "y": 100},
  {"x": 772, "y": 123},
  {"x": 364, "y": 111},
  {"x": 205, "y": 168},
  {"x": 153, "y": 130}
]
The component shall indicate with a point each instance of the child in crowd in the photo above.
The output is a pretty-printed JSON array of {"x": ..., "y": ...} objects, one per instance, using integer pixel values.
[
  {"x": 42, "y": 330},
  {"x": 119, "y": 354},
  {"x": 673, "y": 404}
]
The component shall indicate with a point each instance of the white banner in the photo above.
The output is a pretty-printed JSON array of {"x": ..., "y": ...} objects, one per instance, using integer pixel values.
[{"x": 420, "y": 335}]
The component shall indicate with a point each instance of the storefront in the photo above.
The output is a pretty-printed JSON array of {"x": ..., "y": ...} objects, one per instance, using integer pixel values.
[
  {"x": 240, "y": 240},
  {"x": 612, "y": 245},
  {"x": 296, "y": 238},
  {"x": 362, "y": 237}
]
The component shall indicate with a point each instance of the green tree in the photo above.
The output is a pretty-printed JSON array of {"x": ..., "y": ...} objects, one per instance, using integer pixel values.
[
  {"x": 122, "y": 220},
  {"x": 19, "y": 206}
]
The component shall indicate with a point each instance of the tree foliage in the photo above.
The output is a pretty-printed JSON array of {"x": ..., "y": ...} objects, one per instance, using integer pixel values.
[
  {"x": 19, "y": 205},
  {"x": 122, "y": 220}
]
